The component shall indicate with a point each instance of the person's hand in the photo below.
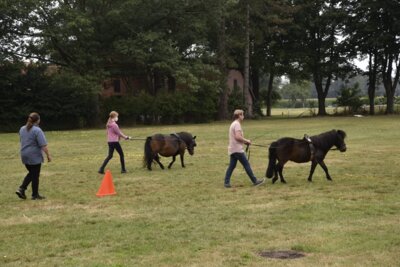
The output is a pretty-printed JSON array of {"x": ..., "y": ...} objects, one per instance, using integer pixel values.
[
  {"x": 247, "y": 142},
  {"x": 48, "y": 158},
  {"x": 128, "y": 138}
]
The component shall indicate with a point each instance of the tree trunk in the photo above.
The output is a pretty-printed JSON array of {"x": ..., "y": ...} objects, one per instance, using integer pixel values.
[
  {"x": 390, "y": 86},
  {"x": 321, "y": 93},
  {"x": 171, "y": 84},
  {"x": 269, "y": 92},
  {"x": 371, "y": 96},
  {"x": 246, "y": 90},
  {"x": 321, "y": 104},
  {"x": 158, "y": 81},
  {"x": 224, "y": 90},
  {"x": 255, "y": 81},
  {"x": 372, "y": 72},
  {"x": 223, "y": 98},
  {"x": 390, "y": 101}
]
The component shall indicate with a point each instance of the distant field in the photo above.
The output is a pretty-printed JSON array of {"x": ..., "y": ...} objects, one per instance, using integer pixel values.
[
  {"x": 185, "y": 217},
  {"x": 307, "y": 112}
]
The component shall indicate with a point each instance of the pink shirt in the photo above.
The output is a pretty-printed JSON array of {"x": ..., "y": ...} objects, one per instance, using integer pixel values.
[
  {"x": 234, "y": 145},
  {"x": 114, "y": 133}
]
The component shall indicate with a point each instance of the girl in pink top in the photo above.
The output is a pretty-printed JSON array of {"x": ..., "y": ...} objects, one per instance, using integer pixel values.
[{"x": 113, "y": 136}]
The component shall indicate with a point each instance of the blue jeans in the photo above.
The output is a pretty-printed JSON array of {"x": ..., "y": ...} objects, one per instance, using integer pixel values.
[{"x": 241, "y": 157}]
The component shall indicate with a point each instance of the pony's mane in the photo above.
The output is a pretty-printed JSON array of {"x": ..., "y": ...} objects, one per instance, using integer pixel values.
[
  {"x": 187, "y": 137},
  {"x": 342, "y": 133},
  {"x": 327, "y": 139}
]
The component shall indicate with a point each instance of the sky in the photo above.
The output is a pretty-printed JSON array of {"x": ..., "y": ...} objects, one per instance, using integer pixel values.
[{"x": 362, "y": 64}]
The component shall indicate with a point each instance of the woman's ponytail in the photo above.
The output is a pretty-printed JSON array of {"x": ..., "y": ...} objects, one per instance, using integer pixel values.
[
  {"x": 113, "y": 114},
  {"x": 33, "y": 118}
]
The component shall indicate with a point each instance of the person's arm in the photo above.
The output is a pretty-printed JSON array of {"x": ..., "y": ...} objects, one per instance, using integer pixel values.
[
  {"x": 239, "y": 137},
  {"x": 46, "y": 151},
  {"x": 118, "y": 132},
  {"x": 41, "y": 139}
]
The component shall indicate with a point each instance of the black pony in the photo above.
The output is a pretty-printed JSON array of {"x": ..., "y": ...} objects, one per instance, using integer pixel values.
[
  {"x": 167, "y": 146},
  {"x": 312, "y": 149}
]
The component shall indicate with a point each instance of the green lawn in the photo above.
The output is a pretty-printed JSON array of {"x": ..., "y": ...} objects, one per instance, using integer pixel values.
[
  {"x": 309, "y": 112},
  {"x": 185, "y": 217}
]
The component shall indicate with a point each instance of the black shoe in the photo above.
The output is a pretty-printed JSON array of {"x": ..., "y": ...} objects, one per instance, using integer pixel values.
[
  {"x": 258, "y": 182},
  {"x": 20, "y": 193},
  {"x": 227, "y": 186},
  {"x": 38, "y": 197},
  {"x": 100, "y": 171}
]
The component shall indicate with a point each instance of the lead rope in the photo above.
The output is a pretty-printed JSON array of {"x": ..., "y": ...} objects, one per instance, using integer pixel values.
[{"x": 248, "y": 152}]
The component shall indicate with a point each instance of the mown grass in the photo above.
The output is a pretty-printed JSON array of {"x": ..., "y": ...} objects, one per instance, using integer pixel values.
[{"x": 185, "y": 217}]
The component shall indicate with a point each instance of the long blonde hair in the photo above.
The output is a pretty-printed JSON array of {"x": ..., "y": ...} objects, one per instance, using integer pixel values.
[
  {"x": 33, "y": 118},
  {"x": 112, "y": 115}
]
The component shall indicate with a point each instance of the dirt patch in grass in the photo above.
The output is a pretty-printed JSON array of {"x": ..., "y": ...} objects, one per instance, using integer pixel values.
[{"x": 283, "y": 254}]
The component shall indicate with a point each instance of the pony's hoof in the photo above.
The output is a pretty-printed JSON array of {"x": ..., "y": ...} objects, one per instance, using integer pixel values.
[
  {"x": 309, "y": 180},
  {"x": 274, "y": 180},
  {"x": 283, "y": 182}
]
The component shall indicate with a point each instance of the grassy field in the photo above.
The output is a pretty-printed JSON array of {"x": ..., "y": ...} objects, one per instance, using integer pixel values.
[
  {"x": 185, "y": 217},
  {"x": 310, "y": 112}
]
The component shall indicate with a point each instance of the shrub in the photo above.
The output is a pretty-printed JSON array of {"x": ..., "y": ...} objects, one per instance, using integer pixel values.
[
  {"x": 71, "y": 101},
  {"x": 236, "y": 100},
  {"x": 166, "y": 108},
  {"x": 63, "y": 99},
  {"x": 350, "y": 97}
]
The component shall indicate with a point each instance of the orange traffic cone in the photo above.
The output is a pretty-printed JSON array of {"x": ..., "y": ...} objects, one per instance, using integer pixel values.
[{"x": 107, "y": 186}]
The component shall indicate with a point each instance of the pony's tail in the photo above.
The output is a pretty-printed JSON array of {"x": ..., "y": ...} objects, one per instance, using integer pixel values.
[
  {"x": 272, "y": 160},
  {"x": 148, "y": 154}
]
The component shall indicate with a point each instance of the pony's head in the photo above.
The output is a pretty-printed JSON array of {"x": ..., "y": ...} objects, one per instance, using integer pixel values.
[
  {"x": 340, "y": 144},
  {"x": 189, "y": 140}
]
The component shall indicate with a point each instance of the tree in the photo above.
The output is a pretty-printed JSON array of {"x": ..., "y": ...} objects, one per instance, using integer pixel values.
[
  {"x": 374, "y": 30},
  {"x": 117, "y": 38},
  {"x": 268, "y": 43},
  {"x": 350, "y": 97},
  {"x": 300, "y": 90},
  {"x": 248, "y": 96},
  {"x": 277, "y": 45},
  {"x": 219, "y": 35},
  {"x": 390, "y": 58},
  {"x": 15, "y": 23},
  {"x": 320, "y": 53}
]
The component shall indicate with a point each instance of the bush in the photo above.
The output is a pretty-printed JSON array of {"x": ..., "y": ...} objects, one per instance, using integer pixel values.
[
  {"x": 71, "y": 101},
  {"x": 166, "y": 108},
  {"x": 350, "y": 97},
  {"x": 235, "y": 100},
  {"x": 63, "y": 99},
  {"x": 66, "y": 100},
  {"x": 127, "y": 107}
]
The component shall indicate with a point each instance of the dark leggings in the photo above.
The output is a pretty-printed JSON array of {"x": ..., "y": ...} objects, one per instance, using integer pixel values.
[
  {"x": 32, "y": 176},
  {"x": 111, "y": 147}
]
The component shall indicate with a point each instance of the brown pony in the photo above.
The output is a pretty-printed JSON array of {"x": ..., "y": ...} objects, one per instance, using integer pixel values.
[
  {"x": 312, "y": 149},
  {"x": 167, "y": 146}
]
